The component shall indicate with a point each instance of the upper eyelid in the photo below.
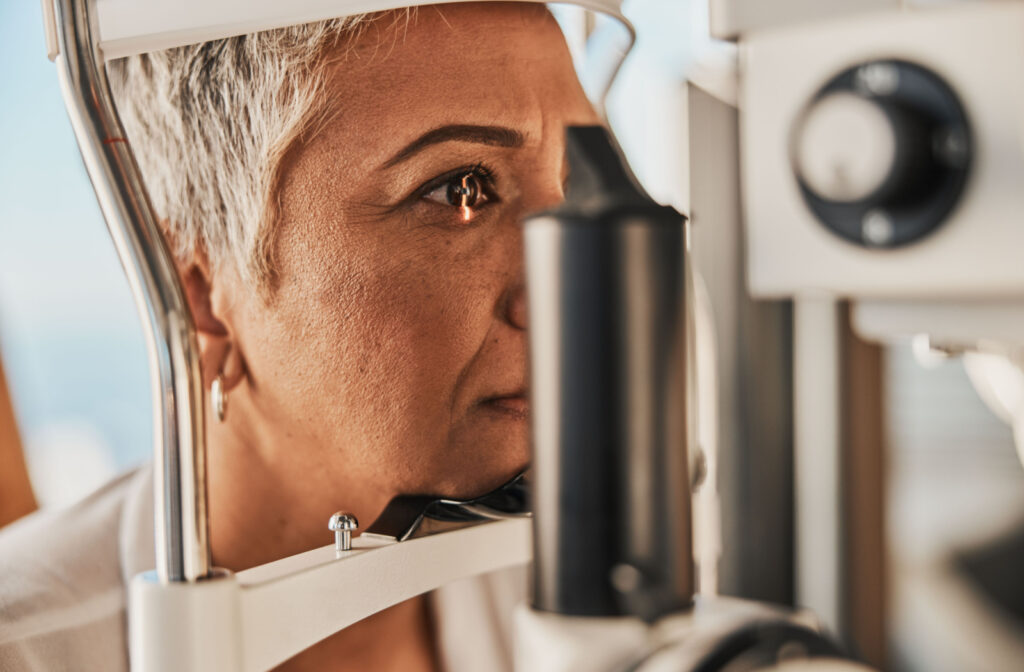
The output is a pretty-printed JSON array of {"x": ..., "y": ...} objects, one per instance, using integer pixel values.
[
  {"x": 417, "y": 194},
  {"x": 436, "y": 183}
]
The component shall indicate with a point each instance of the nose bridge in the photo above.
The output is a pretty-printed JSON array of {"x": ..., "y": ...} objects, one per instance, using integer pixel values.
[
  {"x": 550, "y": 177},
  {"x": 512, "y": 304},
  {"x": 550, "y": 191},
  {"x": 544, "y": 191}
]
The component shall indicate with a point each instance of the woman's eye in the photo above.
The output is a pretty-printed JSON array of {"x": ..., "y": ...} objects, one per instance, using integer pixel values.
[{"x": 465, "y": 191}]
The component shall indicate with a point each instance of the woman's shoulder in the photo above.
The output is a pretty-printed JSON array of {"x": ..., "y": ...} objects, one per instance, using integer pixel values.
[{"x": 62, "y": 596}]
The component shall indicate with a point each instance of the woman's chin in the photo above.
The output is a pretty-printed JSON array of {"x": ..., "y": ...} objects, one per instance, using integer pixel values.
[{"x": 494, "y": 451}]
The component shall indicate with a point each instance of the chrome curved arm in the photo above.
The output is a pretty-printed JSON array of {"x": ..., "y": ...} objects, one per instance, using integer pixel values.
[{"x": 182, "y": 547}]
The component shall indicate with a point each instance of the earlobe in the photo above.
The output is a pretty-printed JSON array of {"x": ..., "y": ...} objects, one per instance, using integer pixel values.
[
  {"x": 233, "y": 368},
  {"x": 218, "y": 354},
  {"x": 230, "y": 374},
  {"x": 221, "y": 357}
]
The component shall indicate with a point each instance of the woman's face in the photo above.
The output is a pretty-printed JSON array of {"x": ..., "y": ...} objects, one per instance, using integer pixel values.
[{"x": 391, "y": 356}]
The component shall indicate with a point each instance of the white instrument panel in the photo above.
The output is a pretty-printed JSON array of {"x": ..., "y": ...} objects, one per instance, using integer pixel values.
[
  {"x": 730, "y": 18},
  {"x": 136, "y": 26},
  {"x": 977, "y": 49}
]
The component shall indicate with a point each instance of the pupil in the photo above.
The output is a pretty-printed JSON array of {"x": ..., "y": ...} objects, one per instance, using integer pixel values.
[{"x": 465, "y": 193}]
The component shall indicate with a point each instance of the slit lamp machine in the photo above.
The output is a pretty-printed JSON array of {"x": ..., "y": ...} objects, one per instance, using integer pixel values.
[{"x": 870, "y": 150}]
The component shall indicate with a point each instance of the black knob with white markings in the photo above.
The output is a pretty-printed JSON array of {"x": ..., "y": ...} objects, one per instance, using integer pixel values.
[{"x": 882, "y": 153}]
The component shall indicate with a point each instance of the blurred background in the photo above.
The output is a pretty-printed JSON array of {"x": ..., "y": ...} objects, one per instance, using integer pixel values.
[
  {"x": 947, "y": 479},
  {"x": 72, "y": 346}
]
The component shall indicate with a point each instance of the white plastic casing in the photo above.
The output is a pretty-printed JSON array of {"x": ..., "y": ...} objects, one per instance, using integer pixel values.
[
  {"x": 553, "y": 643},
  {"x": 256, "y": 619},
  {"x": 978, "y": 48},
  {"x": 129, "y": 27},
  {"x": 730, "y": 18}
]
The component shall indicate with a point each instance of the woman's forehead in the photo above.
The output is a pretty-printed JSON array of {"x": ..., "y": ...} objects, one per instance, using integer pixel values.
[
  {"x": 477, "y": 30},
  {"x": 467, "y": 63}
]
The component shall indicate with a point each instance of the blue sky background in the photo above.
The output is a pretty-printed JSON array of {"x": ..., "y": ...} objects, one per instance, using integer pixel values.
[
  {"x": 70, "y": 338},
  {"x": 69, "y": 334}
]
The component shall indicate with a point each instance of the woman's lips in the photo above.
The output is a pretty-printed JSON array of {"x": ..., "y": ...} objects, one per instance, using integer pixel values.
[{"x": 514, "y": 405}]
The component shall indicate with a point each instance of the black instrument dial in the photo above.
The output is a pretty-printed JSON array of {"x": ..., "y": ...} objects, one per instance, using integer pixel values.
[{"x": 882, "y": 153}]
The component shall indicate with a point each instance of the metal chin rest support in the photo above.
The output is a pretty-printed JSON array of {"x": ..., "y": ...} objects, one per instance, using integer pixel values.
[
  {"x": 258, "y": 618},
  {"x": 610, "y": 535}
]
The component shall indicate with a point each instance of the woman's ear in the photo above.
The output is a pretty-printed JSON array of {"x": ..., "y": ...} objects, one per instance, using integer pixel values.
[{"x": 219, "y": 355}]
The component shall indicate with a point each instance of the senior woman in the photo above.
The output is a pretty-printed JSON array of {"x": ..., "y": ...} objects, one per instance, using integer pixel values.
[{"x": 343, "y": 200}]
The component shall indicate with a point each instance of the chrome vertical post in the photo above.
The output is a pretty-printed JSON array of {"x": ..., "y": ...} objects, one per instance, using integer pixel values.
[{"x": 182, "y": 547}]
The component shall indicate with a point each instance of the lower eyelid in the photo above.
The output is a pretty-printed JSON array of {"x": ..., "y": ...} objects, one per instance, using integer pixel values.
[{"x": 448, "y": 215}]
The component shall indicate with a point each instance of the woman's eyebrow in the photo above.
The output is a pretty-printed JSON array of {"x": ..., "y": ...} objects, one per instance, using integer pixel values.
[{"x": 498, "y": 136}]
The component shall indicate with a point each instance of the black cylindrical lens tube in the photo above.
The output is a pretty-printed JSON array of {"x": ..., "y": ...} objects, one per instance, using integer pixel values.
[{"x": 607, "y": 292}]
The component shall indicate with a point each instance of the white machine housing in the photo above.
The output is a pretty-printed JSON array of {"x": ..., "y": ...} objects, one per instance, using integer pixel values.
[
  {"x": 128, "y": 27},
  {"x": 977, "y": 48}
]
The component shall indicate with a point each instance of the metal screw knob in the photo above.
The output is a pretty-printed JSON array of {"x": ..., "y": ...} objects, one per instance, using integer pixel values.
[{"x": 342, "y": 524}]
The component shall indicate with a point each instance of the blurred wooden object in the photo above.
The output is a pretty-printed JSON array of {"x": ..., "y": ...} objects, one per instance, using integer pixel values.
[
  {"x": 864, "y": 496},
  {"x": 16, "y": 497}
]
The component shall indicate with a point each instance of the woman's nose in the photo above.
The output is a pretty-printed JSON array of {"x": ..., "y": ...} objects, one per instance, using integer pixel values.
[
  {"x": 547, "y": 192},
  {"x": 515, "y": 306}
]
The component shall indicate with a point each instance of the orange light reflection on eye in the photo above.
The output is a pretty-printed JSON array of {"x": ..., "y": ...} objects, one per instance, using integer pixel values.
[{"x": 467, "y": 214}]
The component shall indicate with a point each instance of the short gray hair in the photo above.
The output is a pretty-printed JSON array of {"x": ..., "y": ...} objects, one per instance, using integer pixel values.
[{"x": 210, "y": 125}]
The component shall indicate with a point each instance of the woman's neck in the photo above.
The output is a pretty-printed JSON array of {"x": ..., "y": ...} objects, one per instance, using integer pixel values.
[
  {"x": 399, "y": 639},
  {"x": 268, "y": 503},
  {"x": 291, "y": 514}
]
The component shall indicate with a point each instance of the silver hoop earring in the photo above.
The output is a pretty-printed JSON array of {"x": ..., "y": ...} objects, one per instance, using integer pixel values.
[{"x": 219, "y": 397}]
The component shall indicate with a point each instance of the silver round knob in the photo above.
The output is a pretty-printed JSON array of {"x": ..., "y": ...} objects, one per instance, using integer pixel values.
[
  {"x": 343, "y": 524},
  {"x": 845, "y": 148}
]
